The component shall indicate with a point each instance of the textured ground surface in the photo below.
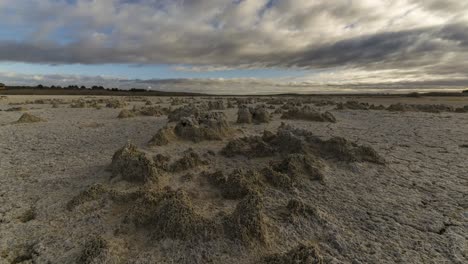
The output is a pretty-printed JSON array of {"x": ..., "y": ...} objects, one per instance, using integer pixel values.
[{"x": 413, "y": 209}]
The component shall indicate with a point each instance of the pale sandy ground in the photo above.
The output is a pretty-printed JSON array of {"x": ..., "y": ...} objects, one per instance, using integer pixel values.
[{"x": 413, "y": 209}]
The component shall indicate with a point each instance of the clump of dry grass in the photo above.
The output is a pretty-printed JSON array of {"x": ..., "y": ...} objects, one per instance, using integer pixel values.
[
  {"x": 134, "y": 165},
  {"x": 29, "y": 118}
]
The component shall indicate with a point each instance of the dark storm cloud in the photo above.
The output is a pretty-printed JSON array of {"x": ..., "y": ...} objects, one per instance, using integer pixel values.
[{"x": 412, "y": 37}]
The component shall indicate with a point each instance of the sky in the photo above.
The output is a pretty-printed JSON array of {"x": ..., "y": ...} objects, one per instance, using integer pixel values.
[{"x": 237, "y": 46}]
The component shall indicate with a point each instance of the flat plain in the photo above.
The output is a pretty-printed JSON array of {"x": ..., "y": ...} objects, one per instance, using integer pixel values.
[{"x": 95, "y": 179}]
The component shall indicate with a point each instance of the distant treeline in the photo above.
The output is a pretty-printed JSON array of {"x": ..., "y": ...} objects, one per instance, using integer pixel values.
[
  {"x": 100, "y": 90},
  {"x": 83, "y": 90}
]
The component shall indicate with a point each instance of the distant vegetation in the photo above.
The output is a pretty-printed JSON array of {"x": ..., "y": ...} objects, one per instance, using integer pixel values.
[{"x": 83, "y": 90}]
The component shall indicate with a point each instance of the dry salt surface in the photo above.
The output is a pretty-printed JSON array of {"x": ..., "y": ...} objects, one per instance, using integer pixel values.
[{"x": 412, "y": 209}]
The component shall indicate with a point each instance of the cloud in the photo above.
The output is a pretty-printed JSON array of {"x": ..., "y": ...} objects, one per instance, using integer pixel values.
[
  {"x": 413, "y": 37},
  {"x": 338, "y": 81}
]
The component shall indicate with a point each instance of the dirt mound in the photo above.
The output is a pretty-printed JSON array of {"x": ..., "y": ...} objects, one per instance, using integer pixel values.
[
  {"x": 297, "y": 208},
  {"x": 152, "y": 111},
  {"x": 304, "y": 253},
  {"x": 352, "y": 105},
  {"x": 300, "y": 165},
  {"x": 253, "y": 146},
  {"x": 90, "y": 194},
  {"x": 429, "y": 108},
  {"x": 183, "y": 112},
  {"x": 244, "y": 115},
  {"x": 309, "y": 114},
  {"x": 115, "y": 103},
  {"x": 463, "y": 109},
  {"x": 209, "y": 126},
  {"x": 161, "y": 161},
  {"x": 163, "y": 137},
  {"x": 260, "y": 114},
  {"x": 133, "y": 165},
  {"x": 14, "y": 109},
  {"x": 235, "y": 185},
  {"x": 342, "y": 149},
  {"x": 125, "y": 113},
  {"x": 216, "y": 105},
  {"x": 190, "y": 159},
  {"x": 289, "y": 140},
  {"x": 94, "y": 251},
  {"x": 278, "y": 179},
  {"x": 171, "y": 215},
  {"x": 247, "y": 223},
  {"x": 29, "y": 118}
]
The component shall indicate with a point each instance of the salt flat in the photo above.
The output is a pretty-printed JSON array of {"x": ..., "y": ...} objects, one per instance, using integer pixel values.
[{"x": 64, "y": 199}]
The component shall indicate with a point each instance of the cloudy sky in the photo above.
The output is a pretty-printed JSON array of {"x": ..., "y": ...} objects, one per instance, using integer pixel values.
[{"x": 237, "y": 46}]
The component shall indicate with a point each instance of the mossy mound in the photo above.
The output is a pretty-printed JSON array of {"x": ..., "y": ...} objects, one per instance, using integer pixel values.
[
  {"x": 94, "y": 251},
  {"x": 247, "y": 223},
  {"x": 170, "y": 214},
  {"x": 308, "y": 114},
  {"x": 125, "y": 113},
  {"x": 258, "y": 114},
  {"x": 237, "y": 184},
  {"x": 344, "y": 150},
  {"x": 161, "y": 161},
  {"x": 297, "y": 165},
  {"x": 429, "y": 108},
  {"x": 163, "y": 137},
  {"x": 289, "y": 140},
  {"x": 190, "y": 159},
  {"x": 29, "y": 118},
  {"x": 304, "y": 253},
  {"x": 115, "y": 103},
  {"x": 133, "y": 165},
  {"x": 253, "y": 146},
  {"x": 278, "y": 179},
  {"x": 243, "y": 115},
  {"x": 18, "y": 108},
  {"x": 352, "y": 105},
  {"x": 209, "y": 126},
  {"x": 92, "y": 193},
  {"x": 182, "y": 112},
  {"x": 151, "y": 111},
  {"x": 216, "y": 105},
  {"x": 297, "y": 208}
]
